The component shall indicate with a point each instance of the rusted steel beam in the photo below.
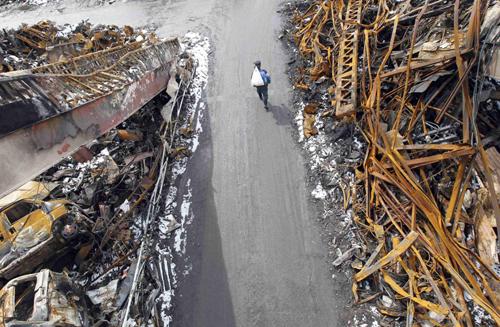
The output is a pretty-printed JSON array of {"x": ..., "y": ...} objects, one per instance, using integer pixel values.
[
  {"x": 418, "y": 65},
  {"x": 116, "y": 263},
  {"x": 419, "y": 162},
  {"x": 71, "y": 123},
  {"x": 345, "y": 92},
  {"x": 28, "y": 97}
]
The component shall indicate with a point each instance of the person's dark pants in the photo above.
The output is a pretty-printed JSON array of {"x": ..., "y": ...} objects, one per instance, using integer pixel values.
[{"x": 263, "y": 95}]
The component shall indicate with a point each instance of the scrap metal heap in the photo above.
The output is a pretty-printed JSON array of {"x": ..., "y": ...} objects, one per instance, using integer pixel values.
[
  {"x": 40, "y": 44},
  {"x": 64, "y": 86},
  {"x": 48, "y": 112},
  {"x": 117, "y": 191},
  {"x": 425, "y": 198},
  {"x": 95, "y": 216}
]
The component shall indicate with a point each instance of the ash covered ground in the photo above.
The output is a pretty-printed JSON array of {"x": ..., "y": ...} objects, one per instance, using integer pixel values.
[{"x": 332, "y": 156}]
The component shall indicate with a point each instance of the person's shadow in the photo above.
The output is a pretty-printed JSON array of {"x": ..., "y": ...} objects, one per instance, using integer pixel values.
[{"x": 281, "y": 114}]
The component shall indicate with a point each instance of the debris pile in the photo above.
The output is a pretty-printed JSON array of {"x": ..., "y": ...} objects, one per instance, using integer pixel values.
[
  {"x": 418, "y": 81},
  {"x": 30, "y": 2},
  {"x": 99, "y": 222},
  {"x": 119, "y": 193},
  {"x": 35, "y": 45},
  {"x": 43, "y": 298}
]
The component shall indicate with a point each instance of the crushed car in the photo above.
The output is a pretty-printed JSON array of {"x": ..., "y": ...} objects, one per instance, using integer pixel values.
[
  {"x": 33, "y": 231},
  {"x": 42, "y": 299}
]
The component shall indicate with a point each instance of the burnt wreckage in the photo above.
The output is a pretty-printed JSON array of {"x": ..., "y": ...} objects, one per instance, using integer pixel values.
[
  {"x": 96, "y": 130},
  {"x": 35, "y": 231},
  {"x": 414, "y": 86},
  {"x": 49, "y": 112},
  {"x": 42, "y": 299}
]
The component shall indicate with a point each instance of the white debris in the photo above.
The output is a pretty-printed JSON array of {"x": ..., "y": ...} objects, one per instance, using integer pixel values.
[
  {"x": 387, "y": 301},
  {"x": 72, "y": 183},
  {"x": 299, "y": 120},
  {"x": 41, "y": 2},
  {"x": 125, "y": 207},
  {"x": 436, "y": 316},
  {"x": 198, "y": 128},
  {"x": 319, "y": 192},
  {"x": 105, "y": 296},
  {"x": 65, "y": 32}
]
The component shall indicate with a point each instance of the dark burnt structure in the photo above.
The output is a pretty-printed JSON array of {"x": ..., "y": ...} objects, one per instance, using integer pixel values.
[{"x": 49, "y": 112}]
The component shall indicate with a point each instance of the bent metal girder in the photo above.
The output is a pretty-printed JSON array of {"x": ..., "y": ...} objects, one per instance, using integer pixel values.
[
  {"x": 49, "y": 112},
  {"x": 345, "y": 92}
]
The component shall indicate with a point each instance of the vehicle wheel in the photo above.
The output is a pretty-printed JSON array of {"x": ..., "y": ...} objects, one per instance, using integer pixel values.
[{"x": 65, "y": 229}]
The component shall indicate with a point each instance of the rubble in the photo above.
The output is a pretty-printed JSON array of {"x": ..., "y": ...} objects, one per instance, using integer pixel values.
[
  {"x": 64, "y": 105},
  {"x": 411, "y": 81},
  {"x": 43, "y": 299},
  {"x": 121, "y": 183},
  {"x": 29, "y": 2},
  {"x": 44, "y": 43}
]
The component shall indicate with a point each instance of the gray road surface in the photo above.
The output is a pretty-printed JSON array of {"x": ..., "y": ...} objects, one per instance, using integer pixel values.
[
  {"x": 261, "y": 261},
  {"x": 256, "y": 254}
]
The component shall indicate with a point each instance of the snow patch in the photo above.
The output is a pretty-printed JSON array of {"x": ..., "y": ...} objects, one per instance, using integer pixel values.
[
  {"x": 198, "y": 47},
  {"x": 186, "y": 219}
]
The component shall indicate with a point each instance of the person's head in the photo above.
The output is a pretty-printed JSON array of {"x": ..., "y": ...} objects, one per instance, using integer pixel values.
[{"x": 257, "y": 63}]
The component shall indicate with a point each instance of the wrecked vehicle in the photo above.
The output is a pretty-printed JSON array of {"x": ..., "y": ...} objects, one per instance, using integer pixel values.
[
  {"x": 33, "y": 231},
  {"x": 42, "y": 299}
]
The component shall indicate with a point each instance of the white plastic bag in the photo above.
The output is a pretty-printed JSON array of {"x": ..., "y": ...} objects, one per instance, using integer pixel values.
[{"x": 257, "y": 78}]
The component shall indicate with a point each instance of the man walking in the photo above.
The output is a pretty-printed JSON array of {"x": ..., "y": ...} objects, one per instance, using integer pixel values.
[{"x": 262, "y": 90}]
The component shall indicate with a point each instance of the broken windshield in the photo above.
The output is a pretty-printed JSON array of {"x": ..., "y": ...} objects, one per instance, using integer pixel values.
[{"x": 18, "y": 211}]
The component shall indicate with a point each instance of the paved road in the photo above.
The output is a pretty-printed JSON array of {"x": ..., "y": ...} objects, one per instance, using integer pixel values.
[
  {"x": 257, "y": 258},
  {"x": 255, "y": 252}
]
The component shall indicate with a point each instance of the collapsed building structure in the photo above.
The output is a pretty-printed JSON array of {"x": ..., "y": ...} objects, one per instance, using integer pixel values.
[
  {"x": 98, "y": 130},
  {"x": 50, "y": 111},
  {"x": 418, "y": 80}
]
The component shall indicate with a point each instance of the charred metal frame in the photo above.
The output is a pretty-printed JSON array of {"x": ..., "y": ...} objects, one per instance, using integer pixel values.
[
  {"x": 48, "y": 112},
  {"x": 57, "y": 301},
  {"x": 347, "y": 73}
]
